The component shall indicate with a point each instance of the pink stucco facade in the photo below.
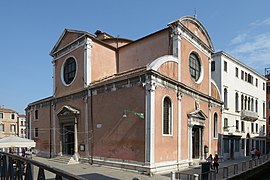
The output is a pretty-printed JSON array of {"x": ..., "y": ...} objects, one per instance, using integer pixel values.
[{"x": 114, "y": 110}]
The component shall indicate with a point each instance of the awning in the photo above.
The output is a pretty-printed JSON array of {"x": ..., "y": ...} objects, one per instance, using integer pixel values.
[{"x": 15, "y": 141}]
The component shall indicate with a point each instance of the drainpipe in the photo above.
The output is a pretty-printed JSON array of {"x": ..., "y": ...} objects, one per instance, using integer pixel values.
[{"x": 92, "y": 127}]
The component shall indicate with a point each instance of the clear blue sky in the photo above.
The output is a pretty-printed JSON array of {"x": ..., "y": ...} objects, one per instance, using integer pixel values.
[{"x": 29, "y": 29}]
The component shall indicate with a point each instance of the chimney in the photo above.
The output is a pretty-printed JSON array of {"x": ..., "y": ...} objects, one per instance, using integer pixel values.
[{"x": 102, "y": 35}]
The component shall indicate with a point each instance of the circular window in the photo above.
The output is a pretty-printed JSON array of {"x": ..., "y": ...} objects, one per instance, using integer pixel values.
[
  {"x": 194, "y": 66},
  {"x": 69, "y": 70}
]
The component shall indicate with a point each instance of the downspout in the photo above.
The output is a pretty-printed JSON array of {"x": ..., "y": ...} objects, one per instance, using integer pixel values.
[{"x": 92, "y": 127}]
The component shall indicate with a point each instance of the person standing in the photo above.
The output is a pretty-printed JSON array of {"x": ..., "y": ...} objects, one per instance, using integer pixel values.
[
  {"x": 210, "y": 160},
  {"x": 258, "y": 153},
  {"x": 216, "y": 164},
  {"x": 252, "y": 153}
]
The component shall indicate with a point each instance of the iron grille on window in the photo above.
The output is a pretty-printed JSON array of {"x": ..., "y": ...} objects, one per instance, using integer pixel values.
[{"x": 167, "y": 116}]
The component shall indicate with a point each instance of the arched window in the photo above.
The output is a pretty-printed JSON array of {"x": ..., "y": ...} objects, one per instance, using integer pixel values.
[
  {"x": 225, "y": 98},
  {"x": 256, "y": 105},
  {"x": 167, "y": 116},
  {"x": 215, "y": 125},
  {"x": 252, "y": 104},
  {"x": 242, "y": 102},
  {"x": 236, "y": 102},
  {"x": 249, "y": 103},
  {"x": 245, "y": 103}
]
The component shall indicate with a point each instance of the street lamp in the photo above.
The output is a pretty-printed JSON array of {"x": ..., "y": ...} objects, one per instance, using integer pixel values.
[{"x": 140, "y": 115}]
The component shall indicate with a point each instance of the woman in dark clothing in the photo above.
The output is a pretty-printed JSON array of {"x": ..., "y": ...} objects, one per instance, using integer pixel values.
[{"x": 216, "y": 164}]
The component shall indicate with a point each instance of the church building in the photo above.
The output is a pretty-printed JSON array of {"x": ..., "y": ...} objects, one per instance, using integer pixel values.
[{"x": 148, "y": 104}]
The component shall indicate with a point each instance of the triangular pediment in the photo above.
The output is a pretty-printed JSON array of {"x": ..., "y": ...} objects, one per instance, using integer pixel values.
[
  {"x": 199, "y": 114},
  {"x": 66, "y": 38},
  {"x": 67, "y": 111}
]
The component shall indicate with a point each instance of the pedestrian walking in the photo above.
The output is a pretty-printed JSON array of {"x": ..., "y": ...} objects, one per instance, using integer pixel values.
[
  {"x": 216, "y": 164},
  {"x": 210, "y": 160},
  {"x": 258, "y": 153},
  {"x": 252, "y": 152}
]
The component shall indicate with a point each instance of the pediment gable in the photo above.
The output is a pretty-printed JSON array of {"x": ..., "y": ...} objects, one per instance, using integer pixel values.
[
  {"x": 67, "y": 37},
  {"x": 67, "y": 111},
  {"x": 198, "y": 114}
]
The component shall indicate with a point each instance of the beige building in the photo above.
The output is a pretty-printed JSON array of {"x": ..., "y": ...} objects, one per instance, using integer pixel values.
[
  {"x": 8, "y": 122},
  {"x": 148, "y": 104},
  {"x": 21, "y": 126}
]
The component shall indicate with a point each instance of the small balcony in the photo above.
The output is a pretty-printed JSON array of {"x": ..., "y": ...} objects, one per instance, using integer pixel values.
[{"x": 249, "y": 115}]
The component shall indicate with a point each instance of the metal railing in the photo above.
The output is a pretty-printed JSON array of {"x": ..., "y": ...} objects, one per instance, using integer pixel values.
[
  {"x": 20, "y": 168},
  {"x": 226, "y": 172}
]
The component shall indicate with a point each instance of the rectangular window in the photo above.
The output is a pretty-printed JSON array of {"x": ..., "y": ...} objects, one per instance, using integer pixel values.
[
  {"x": 1, "y": 115},
  {"x": 263, "y": 129},
  {"x": 36, "y": 114},
  {"x": 268, "y": 89},
  {"x": 36, "y": 132},
  {"x": 237, "y": 125},
  {"x": 12, "y": 116},
  {"x": 226, "y": 146},
  {"x": 256, "y": 82},
  {"x": 225, "y": 122},
  {"x": 252, "y": 127},
  {"x": 213, "y": 65},
  {"x": 21, "y": 123},
  {"x": 225, "y": 66},
  {"x": 2, "y": 127},
  {"x": 242, "y": 126},
  {"x": 242, "y": 75},
  {"x": 256, "y": 127},
  {"x": 250, "y": 79},
  {"x": 246, "y": 76},
  {"x": 12, "y": 128},
  {"x": 264, "y": 86},
  {"x": 237, "y": 145},
  {"x": 236, "y": 72}
]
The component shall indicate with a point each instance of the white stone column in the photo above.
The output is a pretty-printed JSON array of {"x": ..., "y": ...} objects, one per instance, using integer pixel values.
[
  {"x": 150, "y": 122},
  {"x": 87, "y": 62},
  {"x": 76, "y": 154}
]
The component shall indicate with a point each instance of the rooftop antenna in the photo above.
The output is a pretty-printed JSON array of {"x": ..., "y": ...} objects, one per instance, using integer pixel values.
[{"x": 195, "y": 13}]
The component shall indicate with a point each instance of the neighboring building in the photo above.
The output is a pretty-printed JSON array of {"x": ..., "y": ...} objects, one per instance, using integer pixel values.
[
  {"x": 267, "y": 75},
  {"x": 243, "y": 91},
  {"x": 22, "y": 126},
  {"x": 148, "y": 104},
  {"x": 8, "y": 122}
]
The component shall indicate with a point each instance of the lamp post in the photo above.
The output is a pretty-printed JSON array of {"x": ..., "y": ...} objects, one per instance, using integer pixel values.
[{"x": 140, "y": 115}]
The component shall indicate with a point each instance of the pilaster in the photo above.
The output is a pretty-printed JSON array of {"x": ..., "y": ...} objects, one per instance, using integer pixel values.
[
  {"x": 176, "y": 38},
  {"x": 87, "y": 62},
  {"x": 179, "y": 137},
  {"x": 150, "y": 87}
]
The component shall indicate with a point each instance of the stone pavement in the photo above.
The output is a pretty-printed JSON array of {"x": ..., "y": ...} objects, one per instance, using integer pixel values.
[
  {"x": 97, "y": 172},
  {"x": 228, "y": 163}
]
